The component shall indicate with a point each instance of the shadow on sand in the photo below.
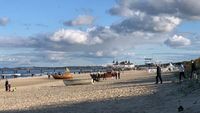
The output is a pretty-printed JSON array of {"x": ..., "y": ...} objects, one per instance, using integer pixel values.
[{"x": 140, "y": 104}]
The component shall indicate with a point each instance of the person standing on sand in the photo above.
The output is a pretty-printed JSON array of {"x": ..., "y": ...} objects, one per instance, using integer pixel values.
[
  {"x": 158, "y": 74},
  {"x": 49, "y": 76},
  {"x": 118, "y": 74},
  {"x": 6, "y": 85},
  {"x": 193, "y": 69},
  {"x": 9, "y": 87},
  {"x": 181, "y": 72}
]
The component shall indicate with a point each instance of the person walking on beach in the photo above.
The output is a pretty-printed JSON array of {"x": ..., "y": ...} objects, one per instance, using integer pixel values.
[
  {"x": 118, "y": 74},
  {"x": 193, "y": 69},
  {"x": 181, "y": 72},
  {"x": 6, "y": 85},
  {"x": 158, "y": 74}
]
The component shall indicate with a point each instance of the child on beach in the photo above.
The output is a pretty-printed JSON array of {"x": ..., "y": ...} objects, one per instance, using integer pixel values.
[{"x": 9, "y": 87}]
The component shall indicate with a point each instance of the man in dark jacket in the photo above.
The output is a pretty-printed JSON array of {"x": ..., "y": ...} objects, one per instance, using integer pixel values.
[
  {"x": 158, "y": 74},
  {"x": 6, "y": 85}
]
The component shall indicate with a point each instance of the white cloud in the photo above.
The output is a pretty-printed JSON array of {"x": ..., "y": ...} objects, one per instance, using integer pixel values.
[
  {"x": 147, "y": 23},
  {"x": 153, "y": 15},
  {"x": 165, "y": 24},
  {"x": 184, "y": 9},
  {"x": 80, "y": 20},
  {"x": 111, "y": 53},
  {"x": 75, "y": 37},
  {"x": 122, "y": 11},
  {"x": 177, "y": 41},
  {"x": 4, "y": 58},
  {"x": 54, "y": 55},
  {"x": 99, "y": 53},
  {"x": 4, "y": 21},
  {"x": 71, "y": 36},
  {"x": 96, "y": 42},
  {"x": 122, "y": 8}
]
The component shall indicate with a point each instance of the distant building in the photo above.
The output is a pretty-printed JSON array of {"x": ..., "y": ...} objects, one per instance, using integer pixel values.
[{"x": 123, "y": 65}]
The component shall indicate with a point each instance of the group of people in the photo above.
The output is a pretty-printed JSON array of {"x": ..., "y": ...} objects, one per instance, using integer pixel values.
[
  {"x": 181, "y": 72},
  {"x": 192, "y": 74},
  {"x": 8, "y": 87},
  {"x": 104, "y": 75}
]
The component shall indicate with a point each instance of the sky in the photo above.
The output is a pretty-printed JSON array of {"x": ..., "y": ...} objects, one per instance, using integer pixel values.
[{"x": 96, "y": 32}]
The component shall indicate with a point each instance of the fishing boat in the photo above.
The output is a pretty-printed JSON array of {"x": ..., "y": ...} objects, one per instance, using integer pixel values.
[{"x": 66, "y": 75}]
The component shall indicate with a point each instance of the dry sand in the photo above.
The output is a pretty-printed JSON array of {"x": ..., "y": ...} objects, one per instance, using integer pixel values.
[{"x": 135, "y": 92}]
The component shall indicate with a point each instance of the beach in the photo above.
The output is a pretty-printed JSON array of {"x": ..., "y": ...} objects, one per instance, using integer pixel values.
[{"x": 135, "y": 92}]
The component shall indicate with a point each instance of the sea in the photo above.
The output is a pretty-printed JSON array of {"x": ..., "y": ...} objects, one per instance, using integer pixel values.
[{"x": 41, "y": 71}]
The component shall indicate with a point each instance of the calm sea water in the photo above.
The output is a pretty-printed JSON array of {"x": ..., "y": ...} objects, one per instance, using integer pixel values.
[{"x": 26, "y": 72}]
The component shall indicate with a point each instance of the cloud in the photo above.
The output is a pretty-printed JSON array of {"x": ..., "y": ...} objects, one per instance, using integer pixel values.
[
  {"x": 122, "y": 8},
  {"x": 4, "y": 21},
  {"x": 55, "y": 49},
  {"x": 15, "y": 42},
  {"x": 75, "y": 37},
  {"x": 177, "y": 41},
  {"x": 110, "y": 53},
  {"x": 99, "y": 53},
  {"x": 80, "y": 20},
  {"x": 147, "y": 23},
  {"x": 180, "y": 8},
  {"x": 150, "y": 15},
  {"x": 54, "y": 56},
  {"x": 34, "y": 58},
  {"x": 95, "y": 42}
]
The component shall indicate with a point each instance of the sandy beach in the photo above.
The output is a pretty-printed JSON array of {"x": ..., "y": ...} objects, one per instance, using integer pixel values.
[{"x": 135, "y": 92}]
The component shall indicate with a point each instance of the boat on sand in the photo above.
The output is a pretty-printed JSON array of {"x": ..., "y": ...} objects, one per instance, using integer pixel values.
[{"x": 66, "y": 75}]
